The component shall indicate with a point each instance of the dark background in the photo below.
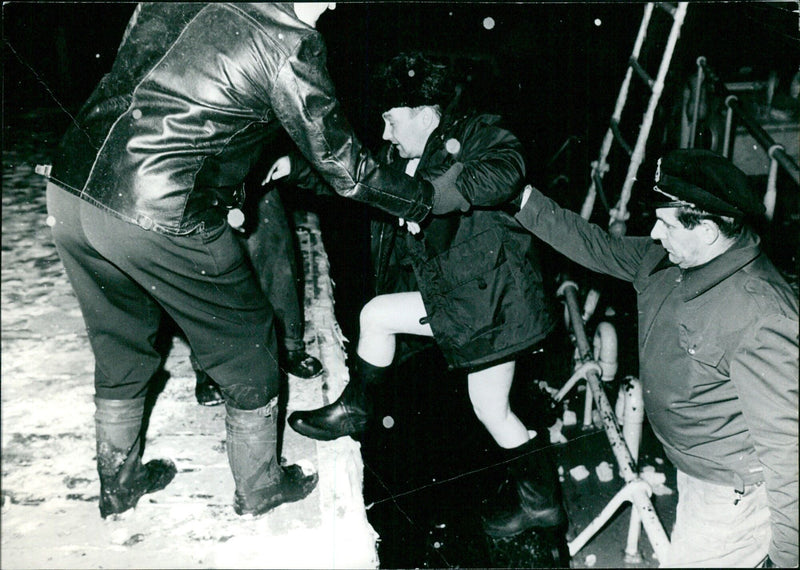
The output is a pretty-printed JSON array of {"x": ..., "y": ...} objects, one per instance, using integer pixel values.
[{"x": 553, "y": 69}]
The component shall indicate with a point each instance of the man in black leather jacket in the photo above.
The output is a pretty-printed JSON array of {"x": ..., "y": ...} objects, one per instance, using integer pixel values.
[{"x": 139, "y": 193}]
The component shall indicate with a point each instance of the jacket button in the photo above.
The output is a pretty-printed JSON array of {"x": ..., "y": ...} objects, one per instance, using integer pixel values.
[
  {"x": 482, "y": 284},
  {"x": 136, "y": 114},
  {"x": 691, "y": 351}
]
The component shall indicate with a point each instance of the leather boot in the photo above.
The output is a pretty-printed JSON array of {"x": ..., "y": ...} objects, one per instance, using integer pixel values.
[
  {"x": 123, "y": 477},
  {"x": 301, "y": 364},
  {"x": 530, "y": 495},
  {"x": 349, "y": 414},
  {"x": 261, "y": 482}
]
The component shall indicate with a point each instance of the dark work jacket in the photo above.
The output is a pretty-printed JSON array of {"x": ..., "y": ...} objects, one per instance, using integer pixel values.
[
  {"x": 718, "y": 351},
  {"x": 195, "y": 93},
  {"x": 477, "y": 271}
]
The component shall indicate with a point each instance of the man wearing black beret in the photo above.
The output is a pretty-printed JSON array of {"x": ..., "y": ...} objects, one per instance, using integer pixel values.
[{"x": 718, "y": 353}]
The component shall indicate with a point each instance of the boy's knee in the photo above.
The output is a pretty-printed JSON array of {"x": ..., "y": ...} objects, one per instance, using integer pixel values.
[{"x": 370, "y": 318}]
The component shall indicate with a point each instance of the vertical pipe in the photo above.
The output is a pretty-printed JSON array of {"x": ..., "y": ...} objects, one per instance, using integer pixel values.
[
  {"x": 636, "y": 490},
  {"x": 632, "y": 432},
  {"x": 589, "y": 306},
  {"x": 634, "y": 415},
  {"x": 771, "y": 196},
  {"x": 587, "y": 408},
  {"x": 618, "y": 446},
  {"x": 726, "y": 144},
  {"x": 697, "y": 87},
  {"x": 605, "y": 350}
]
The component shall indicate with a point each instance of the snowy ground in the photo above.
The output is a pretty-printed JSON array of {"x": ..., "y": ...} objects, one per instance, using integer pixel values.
[{"x": 50, "y": 517}]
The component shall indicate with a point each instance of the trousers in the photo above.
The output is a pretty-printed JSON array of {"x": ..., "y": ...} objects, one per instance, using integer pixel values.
[
  {"x": 274, "y": 256},
  {"x": 126, "y": 278},
  {"x": 716, "y": 527}
]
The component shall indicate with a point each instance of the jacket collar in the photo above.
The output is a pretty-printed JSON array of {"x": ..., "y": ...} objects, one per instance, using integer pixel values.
[{"x": 698, "y": 280}]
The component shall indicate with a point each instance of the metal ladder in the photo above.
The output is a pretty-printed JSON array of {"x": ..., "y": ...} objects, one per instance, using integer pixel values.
[{"x": 619, "y": 213}]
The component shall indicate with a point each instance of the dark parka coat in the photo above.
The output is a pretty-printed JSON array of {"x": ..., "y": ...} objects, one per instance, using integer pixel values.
[{"x": 476, "y": 270}]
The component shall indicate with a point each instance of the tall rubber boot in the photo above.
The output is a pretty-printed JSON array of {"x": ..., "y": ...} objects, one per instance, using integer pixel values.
[
  {"x": 123, "y": 477},
  {"x": 261, "y": 482},
  {"x": 530, "y": 495},
  {"x": 349, "y": 414}
]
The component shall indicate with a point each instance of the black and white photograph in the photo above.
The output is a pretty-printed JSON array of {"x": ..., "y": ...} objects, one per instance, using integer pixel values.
[{"x": 365, "y": 284}]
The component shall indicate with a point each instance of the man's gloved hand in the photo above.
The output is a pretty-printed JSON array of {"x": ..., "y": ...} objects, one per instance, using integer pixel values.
[{"x": 446, "y": 197}]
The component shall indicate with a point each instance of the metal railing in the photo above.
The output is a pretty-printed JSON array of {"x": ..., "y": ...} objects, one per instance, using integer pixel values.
[
  {"x": 637, "y": 491},
  {"x": 776, "y": 152}
]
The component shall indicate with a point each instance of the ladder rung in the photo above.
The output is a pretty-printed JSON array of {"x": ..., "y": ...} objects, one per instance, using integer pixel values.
[
  {"x": 668, "y": 7},
  {"x": 637, "y": 67},
  {"x": 618, "y": 136}
]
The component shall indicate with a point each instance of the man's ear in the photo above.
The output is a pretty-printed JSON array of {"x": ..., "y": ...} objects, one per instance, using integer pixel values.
[
  {"x": 709, "y": 231},
  {"x": 428, "y": 116}
]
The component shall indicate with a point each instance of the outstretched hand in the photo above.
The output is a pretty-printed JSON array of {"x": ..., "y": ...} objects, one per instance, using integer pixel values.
[{"x": 279, "y": 169}]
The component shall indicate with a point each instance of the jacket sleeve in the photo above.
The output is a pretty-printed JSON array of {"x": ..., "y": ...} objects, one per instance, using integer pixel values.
[
  {"x": 303, "y": 98},
  {"x": 765, "y": 372},
  {"x": 303, "y": 175},
  {"x": 493, "y": 167},
  {"x": 580, "y": 241}
]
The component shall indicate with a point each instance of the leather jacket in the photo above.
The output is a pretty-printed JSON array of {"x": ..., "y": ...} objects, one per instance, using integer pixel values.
[
  {"x": 718, "y": 353},
  {"x": 195, "y": 94}
]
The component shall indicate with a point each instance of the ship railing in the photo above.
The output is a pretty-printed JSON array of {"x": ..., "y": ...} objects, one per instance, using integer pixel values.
[
  {"x": 624, "y": 441},
  {"x": 776, "y": 152}
]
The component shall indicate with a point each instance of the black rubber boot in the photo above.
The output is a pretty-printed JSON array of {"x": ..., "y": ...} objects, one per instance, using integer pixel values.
[
  {"x": 530, "y": 495},
  {"x": 123, "y": 477},
  {"x": 349, "y": 414},
  {"x": 261, "y": 482}
]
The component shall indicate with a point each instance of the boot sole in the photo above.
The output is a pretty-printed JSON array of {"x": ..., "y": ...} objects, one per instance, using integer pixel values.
[
  {"x": 306, "y": 487},
  {"x": 165, "y": 471}
]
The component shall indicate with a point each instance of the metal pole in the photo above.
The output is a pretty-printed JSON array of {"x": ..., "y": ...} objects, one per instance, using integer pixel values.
[
  {"x": 697, "y": 87},
  {"x": 761, "y": 136},
  {"x": 771, "y": 196},
  {"x": 726, "y": 144},
  {"x": 636, "y": 489}
]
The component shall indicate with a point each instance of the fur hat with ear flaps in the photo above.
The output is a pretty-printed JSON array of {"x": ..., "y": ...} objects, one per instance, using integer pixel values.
[{"x": 414, "y": 80}]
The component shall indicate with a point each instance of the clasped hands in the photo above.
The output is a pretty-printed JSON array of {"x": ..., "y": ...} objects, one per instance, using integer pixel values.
[{"x": 283, "y": 166}]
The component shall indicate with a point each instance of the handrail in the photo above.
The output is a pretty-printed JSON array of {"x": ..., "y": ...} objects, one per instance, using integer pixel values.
[
  {"x": 636, "y": 490},
  {"x": 776, "y": 152}
]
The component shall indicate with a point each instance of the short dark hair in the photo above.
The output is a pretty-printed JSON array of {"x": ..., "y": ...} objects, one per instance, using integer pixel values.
[{"x": 691, "y": 218}]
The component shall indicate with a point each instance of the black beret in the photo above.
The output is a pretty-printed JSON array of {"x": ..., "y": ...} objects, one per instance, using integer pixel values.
[
  {"x": 414, "y": 80},
  {"x": 707, "y": 181}
]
